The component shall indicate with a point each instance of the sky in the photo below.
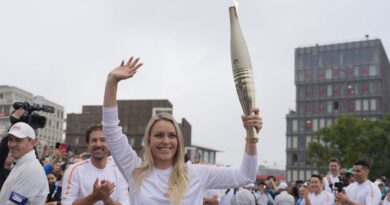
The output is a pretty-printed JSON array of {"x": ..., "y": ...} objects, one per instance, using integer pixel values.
[{"x": 63, "y": 50}]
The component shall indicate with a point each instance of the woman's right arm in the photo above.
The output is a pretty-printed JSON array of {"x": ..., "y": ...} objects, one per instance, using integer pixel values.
[{"x": 125, "y": 157}]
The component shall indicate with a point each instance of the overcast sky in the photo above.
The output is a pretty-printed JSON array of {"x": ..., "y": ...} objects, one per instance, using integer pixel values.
[{"x": 63, "y": 51}]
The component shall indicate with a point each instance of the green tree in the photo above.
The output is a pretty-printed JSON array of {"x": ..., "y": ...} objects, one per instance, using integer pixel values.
[{"x": 351, "y": 138}]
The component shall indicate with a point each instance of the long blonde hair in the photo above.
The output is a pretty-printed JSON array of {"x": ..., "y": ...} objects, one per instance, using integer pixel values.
[{"x": 178, "y": 181}]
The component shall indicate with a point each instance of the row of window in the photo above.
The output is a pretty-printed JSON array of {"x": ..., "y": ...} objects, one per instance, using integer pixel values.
[
  {"x": 361, "y": 88},
  {"x": 294, "y": 174},
  {"x": 337, "y": 73},
  {"x": 338, "y": 106},
  {"x": 338, "y": 57}
]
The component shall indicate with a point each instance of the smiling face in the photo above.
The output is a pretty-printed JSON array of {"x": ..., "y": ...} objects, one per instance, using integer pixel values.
[
  {"x": 97, "y": 145},
  {"x": 316, "y": 185},
  {"x": 19, "y": 146},
  {"x": 163, "y": 143}
]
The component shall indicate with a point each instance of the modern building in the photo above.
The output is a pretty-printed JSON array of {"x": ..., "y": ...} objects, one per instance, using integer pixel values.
[
  {"x": 134, "y": 116},
  {"x": 342, "y": 78},
  {"x": 54, "y": 129}
]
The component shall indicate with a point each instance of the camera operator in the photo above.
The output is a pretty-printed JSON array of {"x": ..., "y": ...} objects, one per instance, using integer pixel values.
[
  {"x": 5, "y": 158},
  {"x": 333, "y": 176},
  {"x": 361, "y": 192},
  {"x": 27, "y": 182}
]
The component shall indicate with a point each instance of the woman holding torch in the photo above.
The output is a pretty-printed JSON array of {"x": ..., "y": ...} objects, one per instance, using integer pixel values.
[{"x": 162, "y": 177}]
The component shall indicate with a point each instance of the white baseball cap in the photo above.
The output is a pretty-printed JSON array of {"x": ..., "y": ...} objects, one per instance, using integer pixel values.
[
  {"x": 22, "y": 130},
  {"x": 283, "y": 185}
]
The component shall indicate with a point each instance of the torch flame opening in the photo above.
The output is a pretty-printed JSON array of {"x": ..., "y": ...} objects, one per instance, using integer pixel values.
[{"x": 235, "y": 4}]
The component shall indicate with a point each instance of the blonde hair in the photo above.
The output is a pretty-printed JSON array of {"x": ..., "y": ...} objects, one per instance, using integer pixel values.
[{"x": 178, "y": 180}]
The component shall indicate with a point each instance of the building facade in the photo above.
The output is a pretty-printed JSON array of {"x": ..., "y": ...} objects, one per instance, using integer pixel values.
[
  {"x": 334, "y": 79},
  {"x": 54, "y": 128}
]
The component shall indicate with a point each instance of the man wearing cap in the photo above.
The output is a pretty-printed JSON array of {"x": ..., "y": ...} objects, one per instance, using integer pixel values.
[
  {"x": 27, "y": 182},
  {"x": 284, "y": 198}
]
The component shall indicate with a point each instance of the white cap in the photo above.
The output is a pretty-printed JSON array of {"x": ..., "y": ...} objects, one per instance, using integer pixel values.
[
  {"x": 282, "y": 186},
  {"x": 22, "y": 130}
]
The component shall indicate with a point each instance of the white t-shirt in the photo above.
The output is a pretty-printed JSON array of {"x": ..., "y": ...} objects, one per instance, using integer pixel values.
[
  {"x": 27, "y": 180},
  {"x": 386, "y": 202},
  {"x": 155, "y": 186},
  {"x": 324, "y": 198},
  {"x": 284, "y": 198},
  {"x": 366, "y": 193},
  {"x": 262, "y": 198},
  {"x": 332, "y": 180},
  {"x": 79, "y": 179}
]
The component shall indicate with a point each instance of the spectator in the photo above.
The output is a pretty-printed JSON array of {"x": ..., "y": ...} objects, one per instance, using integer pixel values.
[
  {"x": 301, "y": 192},
  {"x": 317, "y": 196},
  {"x": 96, "y": 180},
  {"x": 27, "y": 182},
  {"x": 261, "y": 194},
  {"x": 333, "y": 175},
  {"x": 54, "y": 188},
  {"x": 363, "y": 191},
  {"x": 284, "y": 198},
  {"x": 244, "y": 197}
]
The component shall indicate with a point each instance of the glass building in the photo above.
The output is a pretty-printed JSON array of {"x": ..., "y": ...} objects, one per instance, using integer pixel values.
[{"x": 343, "y": 78}]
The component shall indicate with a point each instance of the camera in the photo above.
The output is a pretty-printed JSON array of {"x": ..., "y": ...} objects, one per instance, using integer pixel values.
[
  {"x": 344, "y": 182},
  {"x": 31, "y": 118}
]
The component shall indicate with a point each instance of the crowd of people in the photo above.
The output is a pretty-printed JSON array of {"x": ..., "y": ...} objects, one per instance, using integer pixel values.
[{"x": 112, "y": 173}]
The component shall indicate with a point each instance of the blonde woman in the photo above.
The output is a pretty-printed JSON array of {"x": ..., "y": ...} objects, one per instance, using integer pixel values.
[{"x": 163, "y": 177}]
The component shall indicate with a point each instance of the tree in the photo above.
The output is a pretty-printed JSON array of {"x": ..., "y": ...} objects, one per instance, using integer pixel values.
[{"x": 351, "y": 138}]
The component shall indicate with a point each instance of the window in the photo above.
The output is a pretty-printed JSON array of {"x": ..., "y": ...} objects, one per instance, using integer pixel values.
[
  {"x": 329, "y": 122},
  {"x": 321, "y": 107},
  {"x": 336, "y": 90},
  {"x": 212, "y": 160},
  {"x": 295, "y": 125},
  {"x": 315, "y": 124},
  {"x": 288, "y": 143},
  {"x": 294, "y": 142},
  {"x": 321, "y": 91},
  {"x": 309, "y": 125},
  {"x": 322, "y": 122},
  {"x": 358, "y": 105},
  {"x": 321, "y": 75},
  {"x": 295, "y": 175},
  {"x": 350, "y": 89},
  {"x": 301, "y": 143},
  {"x": 308, "y": 91},
  {"x": 328, "y": 73},
  {"x": 373, "y": 70},
  {"x": 336, "y": 73},
  {"x": 329, "y": 90},
  {"x": 364, "y": 71},
  {"x": 336, "y": 106},
  {"x": 365, "y": 105},
  {"x": 160, "y": 110},
  {"x": 308, "y": 75},
  {"x": 308, "y": 140},
  {"x": 308, "y": 108},
  {"x": 205, "y": 156},
  {"x": 329, "y": 106},
  {"x": 301, "y": 174},
  {"x": 373, "y": 104}
]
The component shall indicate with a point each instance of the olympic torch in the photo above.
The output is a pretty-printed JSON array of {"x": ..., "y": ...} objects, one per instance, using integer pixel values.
[{"x": 242, "y": 68}]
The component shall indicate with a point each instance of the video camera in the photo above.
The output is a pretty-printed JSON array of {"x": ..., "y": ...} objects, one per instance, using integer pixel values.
[
  {"x": 31, "y": 118},
  {"x": 343, "y": 182}
]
